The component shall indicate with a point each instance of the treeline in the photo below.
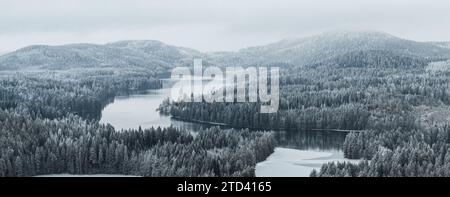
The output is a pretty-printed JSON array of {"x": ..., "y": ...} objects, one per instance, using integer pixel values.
[
  {"x": 380, "y": 59},
  {"x": 247, "y": 115},
  {"x": 54, "y": 95},
  {"x": 398, "y": 153},
  {"x": 71, "y": 145},
  {"x": 355, "y": 92}
]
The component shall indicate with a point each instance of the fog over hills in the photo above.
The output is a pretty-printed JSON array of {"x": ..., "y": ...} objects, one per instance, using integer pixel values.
[
  {"x": 315, "y": 49},
  {"x": 155, "y": 54}
]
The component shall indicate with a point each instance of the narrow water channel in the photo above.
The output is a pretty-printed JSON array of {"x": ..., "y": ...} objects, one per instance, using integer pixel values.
[{"x": 299, "y": 151}]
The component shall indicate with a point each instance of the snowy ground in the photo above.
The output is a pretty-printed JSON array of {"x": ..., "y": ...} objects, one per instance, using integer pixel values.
[
  {"x": 87, "y": 175},
  {"x": 438, "y": 66},
  {"x": 430, "y": 116},
  {"x": 285, "y": 162}
]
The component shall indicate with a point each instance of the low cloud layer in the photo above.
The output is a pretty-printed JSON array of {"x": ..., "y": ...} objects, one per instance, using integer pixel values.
[{"x": 212, "y": 25}]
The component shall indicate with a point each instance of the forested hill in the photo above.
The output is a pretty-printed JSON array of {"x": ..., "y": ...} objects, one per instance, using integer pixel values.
[
  {"x": 380, "y": 59},
  {"x": 149, "y": 54},
  {"x": 328, "y": 46},
  {"x": 160, "y": 57},
  {"x": 442, "y": 44}
]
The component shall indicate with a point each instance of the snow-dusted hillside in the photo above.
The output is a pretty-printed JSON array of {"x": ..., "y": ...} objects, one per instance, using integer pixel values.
[
  {"x": 156, "y": 55},
  {"x": 438, "y": 66},
  {"x": 322, "y": 47},
  {"x": 442, "y": 44},
  {"x": 144, "y": 54}
]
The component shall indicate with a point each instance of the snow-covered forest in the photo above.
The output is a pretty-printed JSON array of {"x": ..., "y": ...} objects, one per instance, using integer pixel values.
[
  {"x": 383, "y": 89},
  {"x": 389, "y": 95},
  {"x": 51, "y": 100}
]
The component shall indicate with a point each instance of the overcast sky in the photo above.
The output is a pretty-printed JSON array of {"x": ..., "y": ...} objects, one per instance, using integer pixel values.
[{"x": 213, "y": 25}]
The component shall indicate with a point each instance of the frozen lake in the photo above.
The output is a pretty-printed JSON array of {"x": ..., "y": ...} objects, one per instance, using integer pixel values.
[{"x": 286, "y": 162}]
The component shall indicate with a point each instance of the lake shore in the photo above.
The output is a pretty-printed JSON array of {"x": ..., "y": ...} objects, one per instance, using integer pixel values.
[{"x": 287, "y": 162}]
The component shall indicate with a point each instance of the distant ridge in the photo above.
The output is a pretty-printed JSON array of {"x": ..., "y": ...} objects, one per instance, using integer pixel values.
[
  {"x": 442, "y": 44},
  {"x": 329, "y": 45},
  {"x": 144, "y": 54},
  {"x": 152, "y": 54}
]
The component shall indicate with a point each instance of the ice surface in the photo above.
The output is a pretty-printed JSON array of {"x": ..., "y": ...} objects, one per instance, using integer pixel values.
[{"x": 285, "y": 162}]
